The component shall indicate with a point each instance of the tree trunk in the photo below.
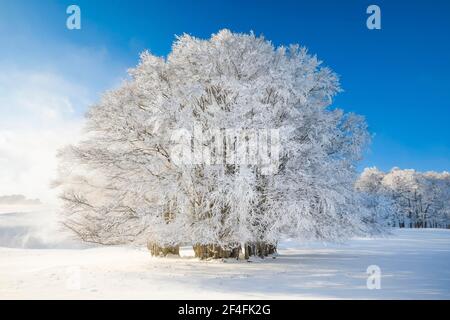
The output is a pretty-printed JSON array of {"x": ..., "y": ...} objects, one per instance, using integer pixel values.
[
  {"x": 212, "y": 251},
  {"x": 260, "y": 249},
  {"x": 162, "y": 251}
]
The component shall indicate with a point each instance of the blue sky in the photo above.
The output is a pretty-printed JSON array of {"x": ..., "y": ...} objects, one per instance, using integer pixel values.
[{"x": 397, "y": 77}]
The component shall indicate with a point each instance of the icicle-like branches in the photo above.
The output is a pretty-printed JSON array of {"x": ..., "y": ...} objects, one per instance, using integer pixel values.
[{"x": 275, "y": 160}]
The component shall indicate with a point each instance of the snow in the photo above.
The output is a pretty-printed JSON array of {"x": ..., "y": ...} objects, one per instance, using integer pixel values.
[
  {"x": 414, "y": 264},
  {"x": 187, "y": 149}
]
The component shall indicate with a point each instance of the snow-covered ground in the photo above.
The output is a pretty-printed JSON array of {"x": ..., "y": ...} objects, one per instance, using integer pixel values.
[{"x": 36, "y": 262}]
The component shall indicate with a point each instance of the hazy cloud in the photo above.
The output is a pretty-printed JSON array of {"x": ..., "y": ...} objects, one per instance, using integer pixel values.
[
  {"x": 18, "y": 199},
  {"x": 37, "y": 116}
]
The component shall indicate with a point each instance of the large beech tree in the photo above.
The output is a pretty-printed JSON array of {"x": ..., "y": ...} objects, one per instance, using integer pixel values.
[{"x": 230, "y": 95}]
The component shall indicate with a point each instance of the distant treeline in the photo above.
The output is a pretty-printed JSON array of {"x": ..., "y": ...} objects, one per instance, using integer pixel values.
[{"x": 409, "y": 199}]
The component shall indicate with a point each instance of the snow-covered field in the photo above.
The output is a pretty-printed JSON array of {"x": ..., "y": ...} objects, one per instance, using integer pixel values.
[{"x": 36, "y": 262}]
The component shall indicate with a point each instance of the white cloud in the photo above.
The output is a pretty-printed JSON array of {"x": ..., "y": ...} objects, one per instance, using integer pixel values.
[
  {"x": 42, "y": 98},
  {"x": 27, "y": 159},
  {"x": 38, "y": 115},
  {"x": 44, "y": 93}
]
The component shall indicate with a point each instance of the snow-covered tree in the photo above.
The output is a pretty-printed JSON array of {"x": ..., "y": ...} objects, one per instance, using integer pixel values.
[
  {"x": 374, "y": 196},
  {"x": 228, "y": 143},
  {"x": 419, "y": 200}
]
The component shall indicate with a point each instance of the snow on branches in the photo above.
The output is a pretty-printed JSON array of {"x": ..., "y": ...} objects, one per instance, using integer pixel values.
[
  {"x": 418, "y": 199},
  {"x": 205, "y": 104}
]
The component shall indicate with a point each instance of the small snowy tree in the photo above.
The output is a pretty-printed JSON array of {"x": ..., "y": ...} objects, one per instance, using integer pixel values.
[
  {"x": 419, "y": 200},
  {"x": 169, "y": 157},
  {"x": 375, "y": 197}
]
